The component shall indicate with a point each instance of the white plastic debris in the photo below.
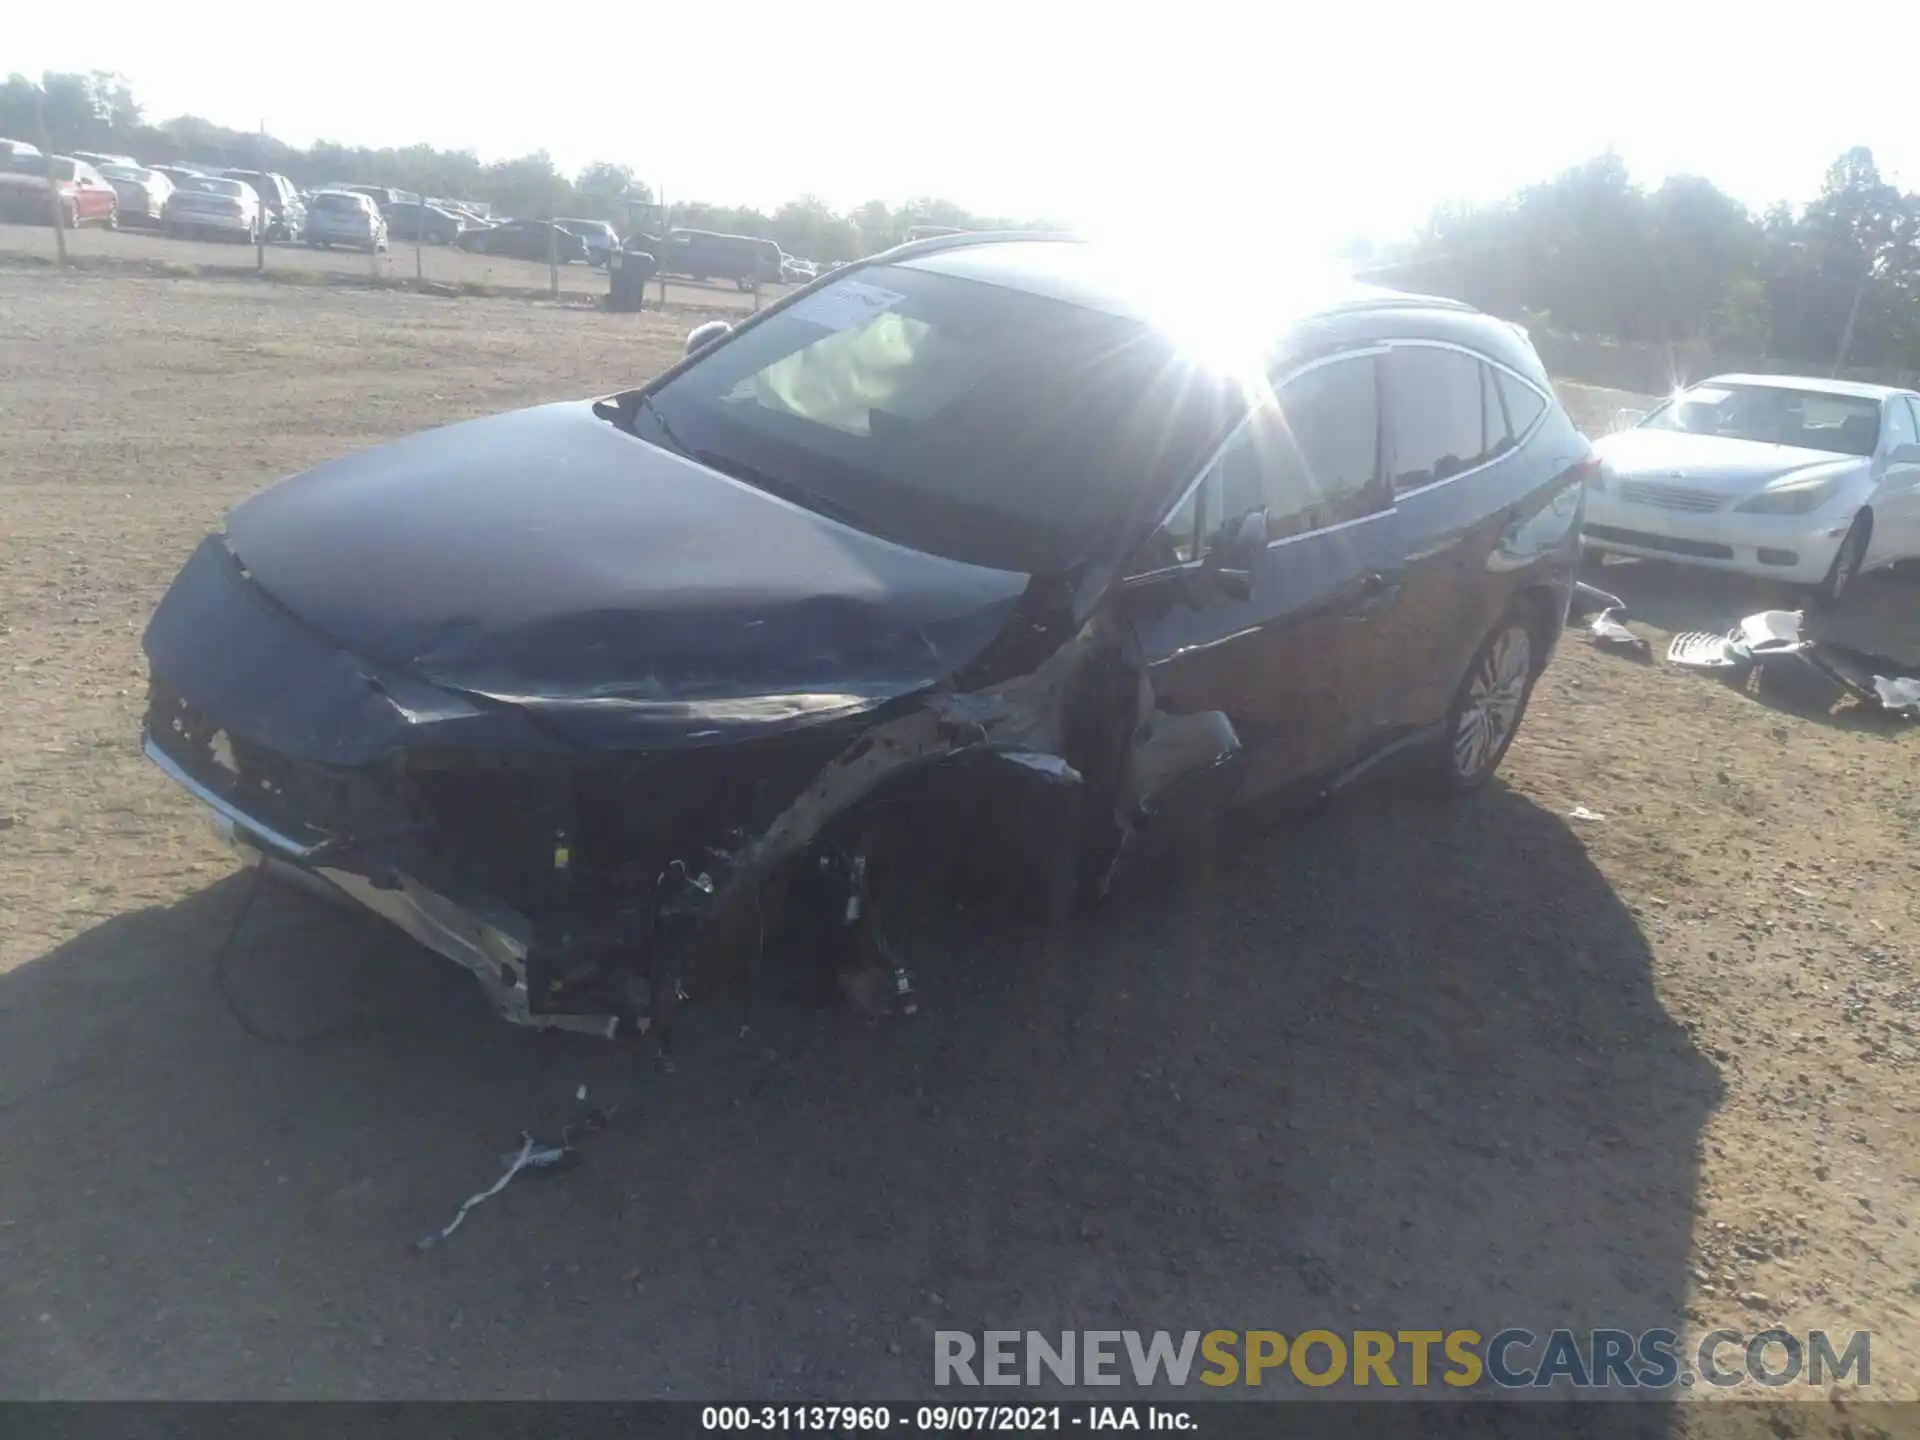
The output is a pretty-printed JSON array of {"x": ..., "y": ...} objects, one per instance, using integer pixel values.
[
  {"x": 1581, "y": 812},
  {"x": 532, "y": 1154}
]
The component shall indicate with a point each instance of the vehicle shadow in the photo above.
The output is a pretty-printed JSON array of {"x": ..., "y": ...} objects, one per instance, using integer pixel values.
[
  {"x": 1400, "y": 1066},
  {"x": 1879, "y": 617}
]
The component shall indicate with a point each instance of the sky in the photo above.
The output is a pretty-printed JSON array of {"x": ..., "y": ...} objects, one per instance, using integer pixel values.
[{"x": 1355, "y": 119}]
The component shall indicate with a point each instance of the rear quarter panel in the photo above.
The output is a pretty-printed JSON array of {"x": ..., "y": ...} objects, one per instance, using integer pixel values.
[{"x": 1475, "y": 544}]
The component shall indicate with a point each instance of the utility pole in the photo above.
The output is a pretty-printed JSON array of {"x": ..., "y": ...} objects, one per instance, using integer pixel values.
[
  {"x": 553, "y": 239},
  {"x": 53, "y": 183},
  {"x": 1853, "y": 314},
  {"x": 260, "y": 227}
]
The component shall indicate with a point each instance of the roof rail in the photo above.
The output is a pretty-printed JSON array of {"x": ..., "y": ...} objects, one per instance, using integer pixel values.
[{"x": 934, "y": 244}]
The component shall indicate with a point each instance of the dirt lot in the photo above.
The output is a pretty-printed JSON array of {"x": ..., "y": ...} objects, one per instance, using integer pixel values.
[
  {"x": 132, "y": 251},
  {"x": 1402, "y": 1065}
]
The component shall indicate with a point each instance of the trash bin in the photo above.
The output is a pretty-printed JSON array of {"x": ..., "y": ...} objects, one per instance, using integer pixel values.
[{"x": 628, "y": 272}]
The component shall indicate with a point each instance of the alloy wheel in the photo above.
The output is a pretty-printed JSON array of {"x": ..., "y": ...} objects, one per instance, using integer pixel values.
[{"x": 1490, "y": 709}]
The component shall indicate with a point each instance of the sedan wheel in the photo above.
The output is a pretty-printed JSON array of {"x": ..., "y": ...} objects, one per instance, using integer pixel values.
[{"x": 1488, "y": 707}]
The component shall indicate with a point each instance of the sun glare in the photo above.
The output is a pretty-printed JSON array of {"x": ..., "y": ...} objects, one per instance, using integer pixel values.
[{"x": 1228, "y": 328}]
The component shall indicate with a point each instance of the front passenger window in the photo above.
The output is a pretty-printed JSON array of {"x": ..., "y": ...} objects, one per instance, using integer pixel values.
[{"x": 1312, "y": 459}]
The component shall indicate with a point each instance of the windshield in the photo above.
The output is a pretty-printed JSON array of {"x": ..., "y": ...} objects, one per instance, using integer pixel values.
[
  {"x": 1775, "y": 415},
  {"x": 206, "y": 185},
  {"x": 333, "y": 200},
  {"x": 960, "y": 418},
  {"x": 126, "y": 172}
]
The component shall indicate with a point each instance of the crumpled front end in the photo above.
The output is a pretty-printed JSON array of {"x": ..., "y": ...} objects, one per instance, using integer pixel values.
[{"x": 594, "y": 888}]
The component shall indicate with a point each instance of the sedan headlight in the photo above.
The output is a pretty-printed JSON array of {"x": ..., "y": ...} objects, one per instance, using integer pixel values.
[{"x": 1794, "y": 495}]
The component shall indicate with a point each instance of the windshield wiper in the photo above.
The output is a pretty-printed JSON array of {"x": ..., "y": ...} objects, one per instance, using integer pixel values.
[{"x": 623, "y": 410}]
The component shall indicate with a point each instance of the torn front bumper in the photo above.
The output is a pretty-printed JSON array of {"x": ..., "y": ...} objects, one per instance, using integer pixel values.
[{"x": 488, "y": 939}]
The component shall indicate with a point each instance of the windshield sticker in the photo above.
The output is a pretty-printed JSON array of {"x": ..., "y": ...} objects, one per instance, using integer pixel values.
[{"x": 848, "y": 306}]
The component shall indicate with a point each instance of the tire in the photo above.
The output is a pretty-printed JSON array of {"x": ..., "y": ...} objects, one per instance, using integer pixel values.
[
  {"x": 1487, "y": 708},
  {"x": 479, "y": 246},
  {"x": 112, "y": 222},
  {"x": 1847, "y": 561}
]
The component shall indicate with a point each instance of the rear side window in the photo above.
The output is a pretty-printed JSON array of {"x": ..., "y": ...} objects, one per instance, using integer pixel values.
[
  {"x": 1439, "y": 412},
  {"x": 1914, "y": 406},
  {"x": 1524, "y": 404}
]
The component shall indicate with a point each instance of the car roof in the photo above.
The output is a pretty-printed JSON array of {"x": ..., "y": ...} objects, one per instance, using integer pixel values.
[
  {"x": 1088, "y": 274},
  {"x": 1856, "y": 389}
]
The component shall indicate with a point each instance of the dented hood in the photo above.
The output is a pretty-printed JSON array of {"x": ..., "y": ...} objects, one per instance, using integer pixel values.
[{"x": 548, "y": 559}]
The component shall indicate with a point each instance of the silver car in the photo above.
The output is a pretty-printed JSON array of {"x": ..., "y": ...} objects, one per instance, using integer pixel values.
[
  {"x": 1808, "y": 481},
  {"x": 211, "y": 205},
  {"x": 345, "y": 217},
  {"x": 143, "y": 193}
]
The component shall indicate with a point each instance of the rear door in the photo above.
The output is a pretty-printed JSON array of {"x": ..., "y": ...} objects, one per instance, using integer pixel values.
[
  {"x": 1456, "y": 423},
  {"x": 1299, "y": 665}
]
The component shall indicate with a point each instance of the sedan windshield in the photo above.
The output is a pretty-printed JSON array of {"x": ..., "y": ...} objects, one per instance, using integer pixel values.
[
  {"x": 1775, "y": 415},
  {"x": 208, "y": 185},
  {"x": 965, "y": 419}
]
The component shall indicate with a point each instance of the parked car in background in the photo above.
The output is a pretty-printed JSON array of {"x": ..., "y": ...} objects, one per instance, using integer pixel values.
[
  {"x": 345, "y": 217},
  {"x": 474, "y": 212},
  {"x": 85, "y": 196},
  {"x": 212, "y": 205},
  {"x": 99, "y": 158},
  {"x": 384, "y": 196},
  {"x": 525, "y": 240},
  {"x": 1804, "y": 480},
  {"x": 11, "y": 148},
  {"x": 1064, "y": 587},
  {"x": 143, "y": 194},
  {"x": 286, "y": 213},
  {"x": 703, "y": 255},
  {"x": 796, "y": 271},
  {"x": 408, "y": 220},
  {"x": 600, "y": 237}
]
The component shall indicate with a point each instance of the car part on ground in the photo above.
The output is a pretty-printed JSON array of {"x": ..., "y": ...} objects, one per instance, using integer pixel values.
[
  {"x": 597, "y": 698},
  {"x": 1773, "y": 635}
]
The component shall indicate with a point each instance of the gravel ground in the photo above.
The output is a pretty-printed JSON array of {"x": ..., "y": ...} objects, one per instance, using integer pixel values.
[{"x": 1401, "y": 1065}]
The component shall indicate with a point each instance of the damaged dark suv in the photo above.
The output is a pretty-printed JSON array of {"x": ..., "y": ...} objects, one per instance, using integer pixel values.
[{"x": 963, "y": 549}]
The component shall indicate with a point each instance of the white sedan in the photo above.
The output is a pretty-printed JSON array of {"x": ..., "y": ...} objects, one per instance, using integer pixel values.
[{"x": 1808, "y": 481}]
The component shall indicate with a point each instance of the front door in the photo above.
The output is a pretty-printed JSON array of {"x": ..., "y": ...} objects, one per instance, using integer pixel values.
[
  {"x": 1299, "y": 660},
  {"x": 1896, "y": 500}
]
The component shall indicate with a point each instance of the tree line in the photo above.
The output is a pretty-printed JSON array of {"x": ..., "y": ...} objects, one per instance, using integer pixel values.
[
  {"x": 99, "y": 111},
  {"x": 1831, "y": 284}
]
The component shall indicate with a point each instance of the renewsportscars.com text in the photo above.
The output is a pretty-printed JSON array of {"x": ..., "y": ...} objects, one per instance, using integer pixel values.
[{"x": 1510, "y": 1359}]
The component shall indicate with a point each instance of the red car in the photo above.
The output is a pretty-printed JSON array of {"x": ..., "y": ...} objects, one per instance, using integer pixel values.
[{"x": 85, "y": 196}]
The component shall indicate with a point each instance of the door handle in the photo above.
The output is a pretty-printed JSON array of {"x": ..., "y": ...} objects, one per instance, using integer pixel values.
[{"x": 1377, "y": 593}]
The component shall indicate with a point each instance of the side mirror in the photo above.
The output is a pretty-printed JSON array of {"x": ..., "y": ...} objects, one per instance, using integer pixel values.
[
  {"x": 1627, "y": 419},
  {"x": 702, "y": 336}
]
